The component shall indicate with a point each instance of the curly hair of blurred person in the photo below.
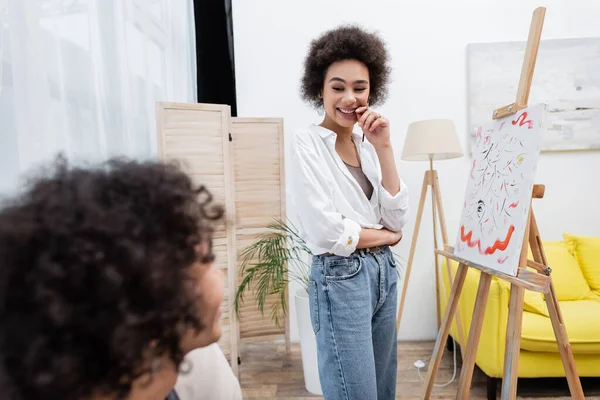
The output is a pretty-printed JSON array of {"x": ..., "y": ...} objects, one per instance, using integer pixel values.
[{"x": 107, "y": 278}]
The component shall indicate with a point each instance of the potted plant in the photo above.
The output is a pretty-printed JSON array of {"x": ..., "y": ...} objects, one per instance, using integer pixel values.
[{"x": 269, "y": 264}]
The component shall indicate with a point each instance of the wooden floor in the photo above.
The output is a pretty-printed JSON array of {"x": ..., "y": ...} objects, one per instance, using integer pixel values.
[{"x": 267, "y": 372}]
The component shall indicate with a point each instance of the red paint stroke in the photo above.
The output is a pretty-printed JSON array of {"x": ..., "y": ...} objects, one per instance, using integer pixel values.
[
  {"x": 521, "y": 120},
  {"x": 498, "y": 244},
  {"x": 502, "y": 260},
  {"x": 514, "y": 205},
  {"x": 502, "y": 126},
  {"x": 486, "y": 220},
  {"x": 473, "y": 168},
  {"x": 502, "y": 186}
]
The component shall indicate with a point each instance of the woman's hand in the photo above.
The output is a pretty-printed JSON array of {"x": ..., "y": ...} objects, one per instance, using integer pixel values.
[{"x": 375, "y": 127}]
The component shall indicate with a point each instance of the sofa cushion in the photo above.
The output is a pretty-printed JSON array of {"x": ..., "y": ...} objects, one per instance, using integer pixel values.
[
  {"x": 587, "y": 251},
  {"x": 535, "y": 303},
  {"x": 581, "y": 321},
  {"x": 568, "y": 279}
]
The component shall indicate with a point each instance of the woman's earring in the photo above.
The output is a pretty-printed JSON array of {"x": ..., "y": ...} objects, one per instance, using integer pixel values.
[
  {"x": 155, "y": 366},
  {"x": 185, "y": 367}
]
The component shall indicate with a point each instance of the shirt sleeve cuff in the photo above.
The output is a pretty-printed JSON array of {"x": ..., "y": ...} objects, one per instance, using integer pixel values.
[
  {"x": 399, "y": 201},
  {"x": 348, "y": 241}
]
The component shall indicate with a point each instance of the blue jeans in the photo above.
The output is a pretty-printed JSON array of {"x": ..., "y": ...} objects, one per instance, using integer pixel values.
[{"x": 353, "y": 313}]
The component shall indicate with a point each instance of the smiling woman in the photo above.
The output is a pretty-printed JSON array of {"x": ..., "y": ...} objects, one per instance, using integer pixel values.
[
  {"x": 333, "y": 47},
  {"x": 352, "y": 206},
  {"x": 343, "y": 97}
]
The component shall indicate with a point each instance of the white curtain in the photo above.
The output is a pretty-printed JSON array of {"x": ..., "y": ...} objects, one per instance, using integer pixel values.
[{"x": 82, "y": 77}]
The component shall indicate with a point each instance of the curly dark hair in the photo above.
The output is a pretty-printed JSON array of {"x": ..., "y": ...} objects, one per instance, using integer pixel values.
[
  {"x": 347, "y": 42},
  {"x": 94, "y": 268}
]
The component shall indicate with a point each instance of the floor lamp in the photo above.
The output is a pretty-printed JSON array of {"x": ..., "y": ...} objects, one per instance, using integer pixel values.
[{"x": 430, "y": 140}]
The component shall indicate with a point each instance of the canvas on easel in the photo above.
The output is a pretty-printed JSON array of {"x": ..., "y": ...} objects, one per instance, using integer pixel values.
[
  {"x": 481, "y": 244},
  {"x": 498, "y": 196}
]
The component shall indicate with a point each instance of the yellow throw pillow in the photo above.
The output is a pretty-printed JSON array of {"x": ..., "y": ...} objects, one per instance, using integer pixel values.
[
  {"x": 587, "y": 251},
  {"x": 568, "y": 279}
]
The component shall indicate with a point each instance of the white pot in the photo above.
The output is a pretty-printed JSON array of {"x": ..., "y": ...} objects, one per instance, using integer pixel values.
[{"x": 308, "y": 343}]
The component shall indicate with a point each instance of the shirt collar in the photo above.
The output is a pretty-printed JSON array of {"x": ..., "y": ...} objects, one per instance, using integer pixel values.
[{"x": 324, "y": 133}]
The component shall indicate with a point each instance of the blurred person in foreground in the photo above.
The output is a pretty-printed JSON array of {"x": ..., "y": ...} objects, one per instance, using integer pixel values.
[{"x": 107, "y": 281}]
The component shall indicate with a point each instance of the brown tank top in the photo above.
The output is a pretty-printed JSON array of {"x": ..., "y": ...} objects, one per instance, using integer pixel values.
[{"x": 362, "y": 179}]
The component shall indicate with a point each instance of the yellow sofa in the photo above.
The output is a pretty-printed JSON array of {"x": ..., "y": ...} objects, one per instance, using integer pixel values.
[{"x": 575, "y": 263}]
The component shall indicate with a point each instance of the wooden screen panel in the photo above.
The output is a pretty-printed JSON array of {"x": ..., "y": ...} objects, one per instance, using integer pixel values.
[
  {"x": 197, "y": 135},
  {"x": 259, "y": 181}
]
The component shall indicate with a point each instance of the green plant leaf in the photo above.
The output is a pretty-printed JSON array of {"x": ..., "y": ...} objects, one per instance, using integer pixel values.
[{"x": 268, "y": 264}]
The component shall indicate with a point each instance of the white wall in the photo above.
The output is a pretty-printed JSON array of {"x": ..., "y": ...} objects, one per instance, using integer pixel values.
[{"x": 427, "y": 41}]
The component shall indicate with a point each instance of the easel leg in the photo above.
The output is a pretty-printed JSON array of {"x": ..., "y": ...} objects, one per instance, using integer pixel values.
[
  {"x": 513, "y": 342},
  {"x": 464, "y": 384},
  {"x": 560, "y": 332},
  {"x": 413, "y": 246},
  {"x": 564, "y": 347},
  {"x": 512, "y": 347},
  {"x": 438, "y": 350}
]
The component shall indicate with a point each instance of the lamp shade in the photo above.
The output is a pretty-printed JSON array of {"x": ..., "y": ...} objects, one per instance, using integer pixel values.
[{"x": 431, "y": 139}]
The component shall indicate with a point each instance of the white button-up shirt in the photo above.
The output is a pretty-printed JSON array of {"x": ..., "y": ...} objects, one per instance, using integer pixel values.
[{"x": 331, "y": 206}]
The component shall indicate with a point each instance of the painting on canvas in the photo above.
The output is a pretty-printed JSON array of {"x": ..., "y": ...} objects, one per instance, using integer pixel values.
[
  {"x": 499, "y": 186},
  {"x": 567, "y": 78}
]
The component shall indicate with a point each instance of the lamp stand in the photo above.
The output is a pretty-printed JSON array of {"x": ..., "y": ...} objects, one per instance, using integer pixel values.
[{"x": 430, "y": 180}]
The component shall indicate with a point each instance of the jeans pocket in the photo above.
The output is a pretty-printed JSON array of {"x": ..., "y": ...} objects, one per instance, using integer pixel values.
[
  {"x": 393, "y": 261},
  {"x": 342, "y": 268},
  {"x": 313, "y": 298}
]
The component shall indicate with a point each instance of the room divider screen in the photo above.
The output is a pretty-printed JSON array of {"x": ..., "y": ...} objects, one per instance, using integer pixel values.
[{"x": 241, "y": 162}]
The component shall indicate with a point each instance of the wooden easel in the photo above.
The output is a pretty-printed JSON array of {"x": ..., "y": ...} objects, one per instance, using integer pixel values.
[
  {"x": 538, "y": 280},
  {"x": 430, "y": 179}
]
